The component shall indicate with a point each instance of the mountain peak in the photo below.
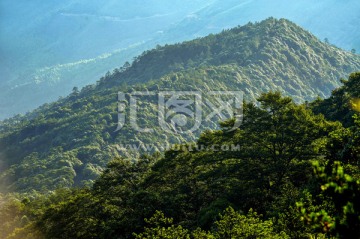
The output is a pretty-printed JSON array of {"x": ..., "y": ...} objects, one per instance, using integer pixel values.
[{"x": 271, "y": 43}]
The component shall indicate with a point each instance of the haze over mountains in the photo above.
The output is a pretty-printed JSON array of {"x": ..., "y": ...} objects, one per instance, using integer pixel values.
[
  {"x": 69, "y": 142},
  {"x": 47, "y": 48},
  {"x": 38, "y": 34}
]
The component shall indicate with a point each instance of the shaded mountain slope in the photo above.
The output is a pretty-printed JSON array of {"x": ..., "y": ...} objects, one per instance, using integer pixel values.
[{"x": 69, "y": 142}]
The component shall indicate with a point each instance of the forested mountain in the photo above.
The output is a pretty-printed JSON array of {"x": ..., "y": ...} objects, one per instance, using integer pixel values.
[
  {"x": 296, "y": 176},
  {"x": 273, "y": 52},
  {"x": 48, "y": 48},
  {"x": 69, "y": 142}
]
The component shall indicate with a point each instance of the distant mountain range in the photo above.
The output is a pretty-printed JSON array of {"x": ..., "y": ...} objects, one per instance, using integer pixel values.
[
  {"x": 45, "y": 46},
  {"x": 48, "y": 48},
  {"x": 70, "y": 141}
]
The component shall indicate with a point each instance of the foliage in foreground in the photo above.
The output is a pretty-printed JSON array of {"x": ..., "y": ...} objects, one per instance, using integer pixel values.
[{"x": 230, "y": 225}]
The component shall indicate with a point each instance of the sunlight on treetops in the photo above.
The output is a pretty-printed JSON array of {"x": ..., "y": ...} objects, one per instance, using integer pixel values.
[{"x": 355, "y": 104}]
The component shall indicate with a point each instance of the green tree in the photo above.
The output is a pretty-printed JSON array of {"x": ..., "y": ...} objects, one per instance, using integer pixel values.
[
  {"x": 278, "y": 140},
  {"x": 343, "y": 192},
  {"x": 162, "y": 228},
  {"x": 343, "y": 103},
  {"x": 234, "y": 225}
]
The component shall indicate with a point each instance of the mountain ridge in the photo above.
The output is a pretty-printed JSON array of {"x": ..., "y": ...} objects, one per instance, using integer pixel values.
[
  {"x": 208, "y": 51},
  {"x": 69, "y": 142}
]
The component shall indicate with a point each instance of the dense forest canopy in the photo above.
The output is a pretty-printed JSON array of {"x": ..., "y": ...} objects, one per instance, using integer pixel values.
[{"x": 296, "y": 176}]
